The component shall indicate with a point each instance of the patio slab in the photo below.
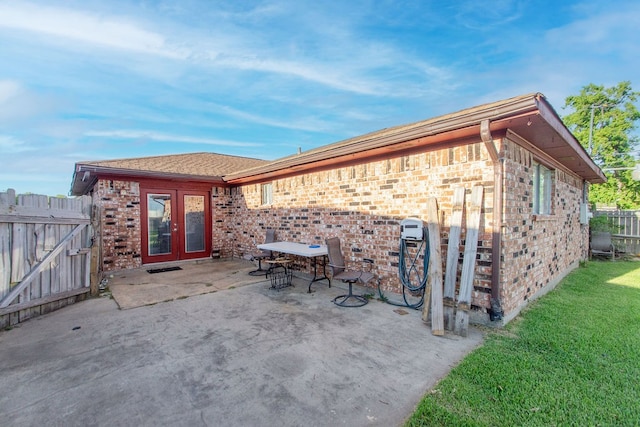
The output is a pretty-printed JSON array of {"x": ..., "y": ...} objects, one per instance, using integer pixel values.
[
  {"x": 247, "y": 356},
  {"x": 137, "y": 287}
]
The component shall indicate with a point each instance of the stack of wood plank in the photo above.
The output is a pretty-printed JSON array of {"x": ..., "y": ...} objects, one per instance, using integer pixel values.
[{"x": 440, "y": 299}]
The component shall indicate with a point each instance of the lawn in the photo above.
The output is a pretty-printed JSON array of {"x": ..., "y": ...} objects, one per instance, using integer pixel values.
[{"x": 571, "y": 358}]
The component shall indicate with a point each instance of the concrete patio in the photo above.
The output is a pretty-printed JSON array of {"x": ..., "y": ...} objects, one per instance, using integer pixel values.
[
  {"x": 241, "y": 356},
  {"x": 137, "y": 287}
]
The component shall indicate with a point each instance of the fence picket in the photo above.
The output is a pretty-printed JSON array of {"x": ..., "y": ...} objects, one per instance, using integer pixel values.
[
  {"x": 36, "y": 272},
  {"x": 5, "y": 259},
  {"x": 627, "y": 236}
]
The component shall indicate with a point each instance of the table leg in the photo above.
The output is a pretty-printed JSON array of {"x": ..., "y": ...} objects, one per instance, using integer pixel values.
[{"x": 324, "y": 276}]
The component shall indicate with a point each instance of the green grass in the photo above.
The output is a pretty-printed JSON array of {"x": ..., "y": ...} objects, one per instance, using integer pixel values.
[{"x": 571, "y": 358}]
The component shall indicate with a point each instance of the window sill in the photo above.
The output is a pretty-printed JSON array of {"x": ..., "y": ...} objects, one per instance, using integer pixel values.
[{"x": 541, "y": 217}]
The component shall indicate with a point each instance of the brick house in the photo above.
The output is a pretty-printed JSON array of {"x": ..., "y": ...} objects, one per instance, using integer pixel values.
[{"x": 534, "y": 172}]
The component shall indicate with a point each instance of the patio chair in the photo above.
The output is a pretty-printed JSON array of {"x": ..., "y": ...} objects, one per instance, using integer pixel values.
[
  {"x": 262, "y": 254},
  {"x": 339, "y": 271},
  {"x": 601, "y": 244}
]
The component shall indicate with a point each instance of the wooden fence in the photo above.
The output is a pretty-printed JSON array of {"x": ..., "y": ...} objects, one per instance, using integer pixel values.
[
  {"x": 627, "y": 235},
  {"x": 45, "y": 255}
]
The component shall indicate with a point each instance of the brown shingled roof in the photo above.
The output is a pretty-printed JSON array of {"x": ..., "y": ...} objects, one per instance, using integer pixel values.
[
  {"x": 518, "y": 113},
  {"x": 388, "y": 136},
  {"x": 529, "y": 116},
  {"x": 208, "y": 167},
  {"x": 203, "y": 164}
]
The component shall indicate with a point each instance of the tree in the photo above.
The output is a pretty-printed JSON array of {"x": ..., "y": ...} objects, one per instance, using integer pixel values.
[{"x": 603, "y": 120}]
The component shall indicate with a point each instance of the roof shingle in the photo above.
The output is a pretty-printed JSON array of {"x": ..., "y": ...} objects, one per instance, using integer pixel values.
[{"x": 201, "y": 164}]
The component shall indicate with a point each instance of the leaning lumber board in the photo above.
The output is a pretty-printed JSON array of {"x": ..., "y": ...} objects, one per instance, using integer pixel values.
[
  {"x": 453, "y": 254},
  {"x": 426, "y": 300},
  {"x": 435, "y": 267},
  {"x": 469, "y": 262}
]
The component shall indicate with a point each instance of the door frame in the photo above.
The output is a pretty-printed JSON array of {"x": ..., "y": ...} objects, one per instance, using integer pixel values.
[{"x": 178, "y": 240}]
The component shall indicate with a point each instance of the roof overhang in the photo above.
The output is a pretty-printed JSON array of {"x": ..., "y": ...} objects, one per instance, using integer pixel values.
[
  {"x": 546, "y": 132},
  {"x": 85, "y": 176},
  {"x": 529, "y": 116}
]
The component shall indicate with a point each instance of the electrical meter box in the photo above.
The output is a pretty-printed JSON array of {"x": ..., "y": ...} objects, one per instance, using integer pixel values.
[
  {"x": 411, "y": 229},
  {"x": 585, "y": 214}
]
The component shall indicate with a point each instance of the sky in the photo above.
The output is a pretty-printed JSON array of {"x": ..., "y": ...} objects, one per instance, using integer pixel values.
[{"x": 84, "y": 80}]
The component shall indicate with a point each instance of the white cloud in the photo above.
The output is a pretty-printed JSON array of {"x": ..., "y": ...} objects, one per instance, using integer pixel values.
[
  {"x": 84, "y": 27},
  {"x": 10, "y": 144},
  {"x": 305, "y": 71},
  {"x": 365, "y": 68},
  {"x": 308, "y": 124},
  {"x": 164, "y": 137},
  {"x": 8, "y": 89},
  {"x": 481, "y": 16},
  {"x": 18, "y": 104},
  {"x": 603, "y": 32}
]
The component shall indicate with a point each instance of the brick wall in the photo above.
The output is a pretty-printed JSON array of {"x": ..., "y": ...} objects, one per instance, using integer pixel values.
[
  {"x": 224, "y": 224},
  {"x": 119, "y": 207},
  {"x": 537, "y": 249},
  {"x": 364, "y": 204}
]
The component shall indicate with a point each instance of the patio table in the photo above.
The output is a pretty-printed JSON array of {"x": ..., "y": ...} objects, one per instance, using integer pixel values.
[{"x": 304, "y": 250}]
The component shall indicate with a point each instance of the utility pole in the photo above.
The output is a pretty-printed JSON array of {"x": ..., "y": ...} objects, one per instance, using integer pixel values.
[{"x": 591, "y": 132}]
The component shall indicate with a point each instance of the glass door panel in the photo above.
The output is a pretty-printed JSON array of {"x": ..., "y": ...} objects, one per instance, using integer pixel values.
[
  {"x": 159, "y": 224},
  {"x": 194, "y": 223}
]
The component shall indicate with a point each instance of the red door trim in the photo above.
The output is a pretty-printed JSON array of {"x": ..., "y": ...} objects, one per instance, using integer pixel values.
[
  {"x": 178, "y": 243},
  {"x": 144, "y": 227}
]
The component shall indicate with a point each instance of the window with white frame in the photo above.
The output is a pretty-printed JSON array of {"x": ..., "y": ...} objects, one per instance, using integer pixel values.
[
  {"x": 267, "y": 193},
  {"x": 542, "y": 189}
]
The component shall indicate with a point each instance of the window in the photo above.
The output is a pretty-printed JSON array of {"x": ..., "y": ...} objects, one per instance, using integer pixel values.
[
  {"x": 267, "y": 194},
  {"x": 542, "y": 188}
]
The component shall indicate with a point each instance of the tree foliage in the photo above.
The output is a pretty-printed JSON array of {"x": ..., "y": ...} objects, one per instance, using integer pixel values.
[{"x": 603, "y": 120}]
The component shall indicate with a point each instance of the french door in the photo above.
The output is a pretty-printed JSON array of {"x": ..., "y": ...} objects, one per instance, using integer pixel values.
[{"x": 176, "y": 225}]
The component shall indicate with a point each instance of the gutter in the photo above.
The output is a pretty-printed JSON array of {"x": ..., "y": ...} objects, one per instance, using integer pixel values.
[
  {"x": 146, "y": 173},
  {"x": 459, "y": 125},
  {"x": 495, "y": 312},
  {"x": 90, "y": 173},
  {"x": 454, "y": 128}
]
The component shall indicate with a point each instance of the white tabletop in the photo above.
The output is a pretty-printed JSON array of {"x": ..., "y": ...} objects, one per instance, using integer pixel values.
[{"x": 301, "y": 249}]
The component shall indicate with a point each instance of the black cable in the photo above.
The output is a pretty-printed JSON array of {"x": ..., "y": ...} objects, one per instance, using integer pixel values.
[{"x": 409, "y": 276}]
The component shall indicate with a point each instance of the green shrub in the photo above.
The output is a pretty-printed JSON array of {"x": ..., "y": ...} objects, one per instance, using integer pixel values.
[{"x": 603, "y": 223}]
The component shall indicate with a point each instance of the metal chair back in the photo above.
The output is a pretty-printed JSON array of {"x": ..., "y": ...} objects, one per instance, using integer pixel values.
[{"x": 336, "y": 260}]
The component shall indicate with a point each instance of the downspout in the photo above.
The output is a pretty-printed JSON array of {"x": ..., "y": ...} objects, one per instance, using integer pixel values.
[{"x": 495, "y": 313}]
